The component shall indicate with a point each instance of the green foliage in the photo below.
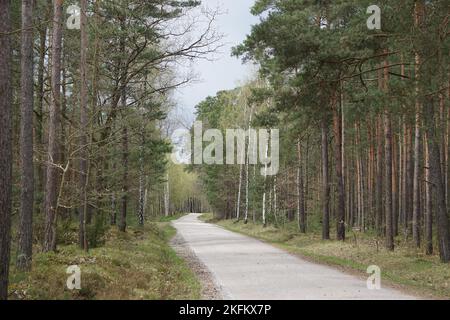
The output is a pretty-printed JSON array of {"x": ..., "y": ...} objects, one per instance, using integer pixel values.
[
  {"x": 322, "y": 68},
  {"x": 138, "y": 265}
]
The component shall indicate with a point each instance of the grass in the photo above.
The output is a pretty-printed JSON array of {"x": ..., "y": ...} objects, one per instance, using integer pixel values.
[
  {"x": 135, "y": 265},
  {"x": 406, "y": 268}
]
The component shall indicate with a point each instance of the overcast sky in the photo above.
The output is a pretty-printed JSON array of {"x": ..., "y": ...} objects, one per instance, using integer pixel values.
[{"x": 225, "y": 72}]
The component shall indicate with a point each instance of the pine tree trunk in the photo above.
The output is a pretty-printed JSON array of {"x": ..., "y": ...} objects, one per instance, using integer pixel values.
[
  {"x": 388, "y": 182},
  {"x": 123, "y": 213},
  {"x": 325, "y": 184},
  {"x": 83, "y": 128},
  {"x": 53, "y": 151},
  {"x": 370, "y": 175},
  {"x": 141, "y": 198},
  {"x": 395, "y": 183},
  {"x": 300, "y": 191},
  {"x": 428, "y": 202},
  {"x": 25, "y": 248},
  {"x": 306, "y": 175},
  {"x": 125, "y": 154},
  {"x": 409, "y": 182},
  {"x": 167, "y": 197},
  {"x": 340, "y": 214},
  {"x": 400, "y": 178},
  {"x": 379, "y": 181},
  {"x": 416, "y": 177},
  {"x": 388, "y": 167},
  {"x": 113, "y": 216},
  {"x": 442, "y": 222},
  {"x": 39, "y": 131},
  {"x": 358, "y": 180},
  {"x": 5, "y": 145}
]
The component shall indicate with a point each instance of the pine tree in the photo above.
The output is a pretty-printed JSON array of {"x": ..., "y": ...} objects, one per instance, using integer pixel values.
[
  {"x": 6, "y": 96},
  {"x": 25, "y": 249}
]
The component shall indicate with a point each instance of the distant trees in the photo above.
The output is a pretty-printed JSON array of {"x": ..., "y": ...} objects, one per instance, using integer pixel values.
[{"x": 319, "y": 62}]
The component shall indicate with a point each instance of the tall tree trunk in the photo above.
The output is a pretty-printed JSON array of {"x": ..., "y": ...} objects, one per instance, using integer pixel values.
[
  {"x": 416, "y": 186},
  {"x": 388, "y": 182},
  {"x": 342, "y": 114},
  {"x": 125, "y": 154},
  {"x": 358, "y": 178},
  {"x": 300, "y": 190},
  {"x": 436, "y": 179},
  {"x": 428, "y": 202},
  {"x": 247, "y": 172},
  {"x": 379, "y": 180},
  {"x": 388, "y": 166},
  {"x": 337, "y": 125},
  {"x": 141, "y": 199},
  {"x": 141, "y": 181},
  {"x": 305, "y": 175},
  {"x": 83, "y": 127},
  {"x": 238, "y": 204},
  {"x": 275, "y": 199},
  {"x": 325, "y": 184},
  {"x": 123, "y": 214},
  {"x": 167, "y": 196},
  {"x": 25, "y": 248},
  {"x": 371, "y": 175},
  {"x": 409, "y": 182},
  {"x": 39, "y": 131},
  {"x": 400, "y": 178},
  {"x": 416, "y": 193},
  {"x": 447, "y": 146},
  {"x": 395, "y": 179},
  {"x": 113, "y": 215},
  {"x": 5, "y": 145},
  {"x": 51, "y": 185},
  {"x": 94, "y": 116},
  {"x": 265, "y": 187}
]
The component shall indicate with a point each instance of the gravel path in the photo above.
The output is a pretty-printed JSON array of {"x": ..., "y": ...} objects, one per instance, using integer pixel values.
[
  {"x": 210, "y": 289},
  {"x": 234, "y": 266}
]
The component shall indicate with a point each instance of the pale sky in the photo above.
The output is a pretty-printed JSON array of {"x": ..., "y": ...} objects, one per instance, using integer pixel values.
[{"x": 225, "y": 72}]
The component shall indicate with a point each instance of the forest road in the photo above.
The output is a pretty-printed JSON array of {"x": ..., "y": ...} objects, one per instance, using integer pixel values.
[{"x": 248, "y": 269}]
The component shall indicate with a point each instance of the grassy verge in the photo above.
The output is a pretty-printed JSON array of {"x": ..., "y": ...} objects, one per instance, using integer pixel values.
[
  {"x": 406, "y": 268},
  {"x": 137, "y": 265}
]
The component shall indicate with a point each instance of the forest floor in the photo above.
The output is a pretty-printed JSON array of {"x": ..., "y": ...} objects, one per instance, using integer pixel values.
[
  {"x": 406, "y": 269},
  {"x": 139, "y": 264}
]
